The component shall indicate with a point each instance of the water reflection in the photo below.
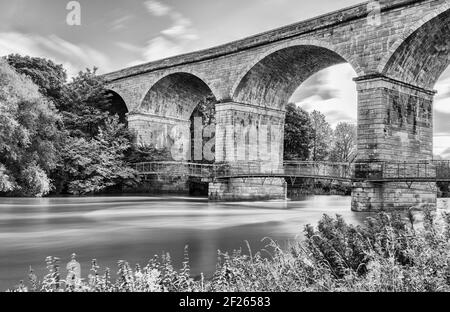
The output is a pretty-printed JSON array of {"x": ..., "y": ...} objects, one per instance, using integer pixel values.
[{"x": 137, "y": 228}]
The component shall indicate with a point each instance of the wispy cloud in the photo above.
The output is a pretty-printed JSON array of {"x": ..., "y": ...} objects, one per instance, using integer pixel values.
[
  {"x": 160, "y": 47},
  {"x": 129, "y": 47},
  {"x": 181, "y": 28},
  {"x": 157, "y": 8},
  {"x": 170, "y": 41},
  {"x": 120, "y": 23},
  {"x": 331, "y": 91},
  {"x": 446, "y": 154},
  {"x": 72, "y": 56}
]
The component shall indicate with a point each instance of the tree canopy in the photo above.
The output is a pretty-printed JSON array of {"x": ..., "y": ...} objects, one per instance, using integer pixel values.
[
  {"x": 321, "y": 138},
  {"x": 344, "y": 142},
  {"x": 28, "y": 135},
  {"x": 297, "y": 133}
]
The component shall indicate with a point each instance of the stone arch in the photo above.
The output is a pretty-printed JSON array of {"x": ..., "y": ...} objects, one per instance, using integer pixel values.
[
  {"x": 274, "y": 76},
  {"x": 118, "y": 105},
  {"x": 175, "y": 95},
  {"x": 422, "y": 53}
]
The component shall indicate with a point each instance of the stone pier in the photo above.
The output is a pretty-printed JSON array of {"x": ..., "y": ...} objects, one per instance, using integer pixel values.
[
  {"x": 395, "y": 125},
  {"x": 247, "y": 134}
]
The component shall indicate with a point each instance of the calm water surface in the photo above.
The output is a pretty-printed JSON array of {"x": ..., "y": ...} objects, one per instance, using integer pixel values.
[{"x": 137, "y": 228}]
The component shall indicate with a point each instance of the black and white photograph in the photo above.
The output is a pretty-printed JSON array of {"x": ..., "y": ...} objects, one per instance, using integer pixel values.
[{"x": 243, "y": 147}]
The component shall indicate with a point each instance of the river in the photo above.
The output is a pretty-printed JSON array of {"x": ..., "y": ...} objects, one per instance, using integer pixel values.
[{"x": 137, "y": 228}]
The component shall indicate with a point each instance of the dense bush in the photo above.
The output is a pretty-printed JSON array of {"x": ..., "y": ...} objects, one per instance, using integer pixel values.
[
  {"x": 29, "y": 128},
  {"x": 388, "y": 254}
]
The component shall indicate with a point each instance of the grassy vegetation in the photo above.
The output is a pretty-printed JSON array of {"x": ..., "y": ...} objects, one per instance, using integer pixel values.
[{"x": 390, "y": 253}]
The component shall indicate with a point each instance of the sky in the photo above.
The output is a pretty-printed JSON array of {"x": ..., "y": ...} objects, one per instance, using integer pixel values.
[{"x": 114, "y": 34}]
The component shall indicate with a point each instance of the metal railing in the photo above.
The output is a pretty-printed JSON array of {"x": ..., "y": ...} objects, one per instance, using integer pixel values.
[{"x": 425, "y": 171}]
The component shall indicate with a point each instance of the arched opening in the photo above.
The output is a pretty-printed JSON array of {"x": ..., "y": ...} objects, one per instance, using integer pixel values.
[
  {"x": 441, "y": 131},
  {"x": 174, "y": 101},
  {"x": 273, "y": 80},
  {"x": 422, "y": 58},
  {"x": 117, "y": 106},
  {"x": 331, "y": 92},
  {"x": 312, "y": 78},
  {"x": 176, "y": 96},
  {"x": 183, "y": 102},
  {"x": 442, "y": 117}
]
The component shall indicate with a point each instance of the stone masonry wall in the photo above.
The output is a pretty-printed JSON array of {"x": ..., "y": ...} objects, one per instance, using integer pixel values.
[
  {"x": 395, "y": 125},
  {"x": 395, "y": 121},
  {"x": 248, "y": 189}
]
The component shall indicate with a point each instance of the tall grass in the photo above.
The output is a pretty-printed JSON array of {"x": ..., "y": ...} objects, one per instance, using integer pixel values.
[{"x": 390, "y": 253}]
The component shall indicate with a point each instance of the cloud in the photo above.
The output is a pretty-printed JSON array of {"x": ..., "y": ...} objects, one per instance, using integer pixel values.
[
  {"x": 157, "y": 8},
  {"x": 441, "y": 144},
  {"x": 159, "y": 48},
  {"x": 73, "y": 57},
  {"x": 171, "y": 41},
  {"x": 442, "y": 123},
  {"x": 446, "y": 154},
  {"x": 120, "y": 23},
  {"x": 315, "y": 86},
  {"x": 331, "y": 91},
  {"x": 129, "y": 47},
  {"x": 442, "y": 99},
  {"x": 156, "y": 49},
  {"x": 181, "y": 28}
]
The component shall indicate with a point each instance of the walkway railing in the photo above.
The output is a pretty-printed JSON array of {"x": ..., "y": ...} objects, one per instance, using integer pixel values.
[{"x": 425, "y": 171}]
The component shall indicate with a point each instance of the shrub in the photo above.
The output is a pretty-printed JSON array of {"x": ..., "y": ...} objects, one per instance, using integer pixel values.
[{"x": 34, "y": 181}]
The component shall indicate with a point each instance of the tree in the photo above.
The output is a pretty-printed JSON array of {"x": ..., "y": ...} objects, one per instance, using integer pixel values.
[
  {"x": 322, "y": 137},
  {"x": 48, "y": 76},
  {"x": 7, "y": 181},
  {"x": 344, "y": 144},
  {"x": 87, "y": 104},
  {"x": 297, "y": 133},
  {"x": 93, "y": 165},
  {"x": 28, "y": 132},
  {"x": 147, "y": 153}
]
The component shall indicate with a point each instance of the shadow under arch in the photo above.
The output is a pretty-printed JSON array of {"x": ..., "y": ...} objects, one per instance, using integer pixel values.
[
  {"x": 118, "y": 105},
  {"x": 272, "y": 80},
  {"x": 176, "y": 95},
  {"x": 423, "y": 53}
]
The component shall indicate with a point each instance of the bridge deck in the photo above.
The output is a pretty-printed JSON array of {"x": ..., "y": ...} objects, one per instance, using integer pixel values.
[{"x": 377, "y": 172}]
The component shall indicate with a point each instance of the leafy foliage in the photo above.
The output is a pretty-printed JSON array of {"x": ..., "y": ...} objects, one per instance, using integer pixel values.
[
  {"x": 86, "y": 105},
  {"x": 34, "y": 181},
  {"x": 93, "y": 165},
  {"x": 344, "y": 142},
  {"x": 297, "y": 134},
  {"x": 147, "y": 153},
  {"x": 48, "y": 76},
  {"x": 29, "y": 128},
  {"x": 322, "y": 137}
]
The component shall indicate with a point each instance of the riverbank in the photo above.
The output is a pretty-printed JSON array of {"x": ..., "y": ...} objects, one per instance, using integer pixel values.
[{"x": 388, "y": 254}]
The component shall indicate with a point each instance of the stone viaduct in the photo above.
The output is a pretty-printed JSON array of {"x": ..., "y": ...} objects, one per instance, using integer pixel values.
[{"x": 398, "y": 57}]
